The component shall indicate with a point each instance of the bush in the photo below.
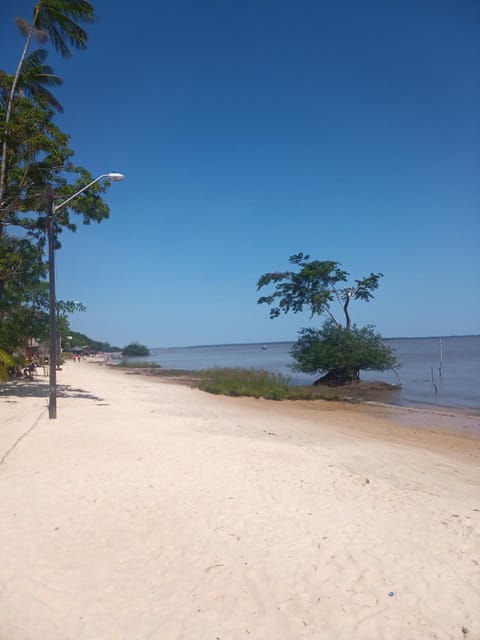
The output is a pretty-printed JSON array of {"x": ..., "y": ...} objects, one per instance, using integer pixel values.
[
  {"x": 138, "y": 364},
  {"x": 7, "y": 362},
  {"x": 257, "y": 384},
  {"x": 340, "y": 353},
  {"x": 135, "y": 349},
  {"x": 244, "y": 382}
]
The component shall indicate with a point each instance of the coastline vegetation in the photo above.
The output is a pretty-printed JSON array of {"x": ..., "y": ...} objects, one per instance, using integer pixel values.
[
  {"x": 135, "y": 349},
  {"x": 257, "y": 384},
  {"x": 138, "y": 364},
  {"x": 77, "y": 339},
  {"x": 338, "y": 351},
  {"x": 36, "y": 166}
]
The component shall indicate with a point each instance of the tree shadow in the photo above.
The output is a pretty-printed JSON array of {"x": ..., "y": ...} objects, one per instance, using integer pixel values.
[{"x": 40, "y": 389}]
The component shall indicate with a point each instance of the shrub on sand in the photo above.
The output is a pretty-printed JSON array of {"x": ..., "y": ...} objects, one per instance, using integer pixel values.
[
  {"x": 138, "y": 364},
  {"x": 244, "y": 382},
  {"x": 257, "y": 384}
]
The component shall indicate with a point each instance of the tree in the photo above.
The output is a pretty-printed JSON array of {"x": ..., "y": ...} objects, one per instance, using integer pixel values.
[
  {"x": 37, "y": 77},
  {"x": 40, "y": 159},
  {"x": 36, "y": 165},
  {"x": 338, "y": 350},
  {"x": 59, "y": 20},
  {"x": 37, "y": 148},
  {"x": 135, "y": 349},
  {"x": 82, "y": 340},
  {"x": 34, "y": 153},
  {"x": 316, "y": 285},
  {"x": 24, "y": 296},
  {"x": 340, "y": 353}
]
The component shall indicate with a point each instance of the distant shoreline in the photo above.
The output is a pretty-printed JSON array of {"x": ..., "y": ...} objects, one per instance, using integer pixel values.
[
  {"x": 267, "y": 342},
  {"x": 433, "y": 373}
]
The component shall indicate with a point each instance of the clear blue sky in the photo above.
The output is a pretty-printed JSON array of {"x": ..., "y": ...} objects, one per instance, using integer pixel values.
[{"x": 251, "y": 130}]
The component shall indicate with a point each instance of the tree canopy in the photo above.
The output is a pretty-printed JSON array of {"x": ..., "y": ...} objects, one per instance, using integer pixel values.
[
  {"x": 36, "y": 163},
  {"x": 340, "y": 354},
  {"x": 80, "y": 340},
  {"x": 316, "y": 285},
  {"x": 337, "y": 350},
  {"x": 59, "y": 21},
  {"x": 135, "y": 349}
]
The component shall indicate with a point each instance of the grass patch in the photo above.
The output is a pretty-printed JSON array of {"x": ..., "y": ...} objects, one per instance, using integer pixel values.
[
  {"x": 138, "y": 364},
  {"x": 258, "y": 384},
  {"x": 244, "y": 382}
]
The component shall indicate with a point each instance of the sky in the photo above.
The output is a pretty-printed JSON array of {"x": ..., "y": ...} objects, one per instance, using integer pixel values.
[{"x": 252, "y": 130}]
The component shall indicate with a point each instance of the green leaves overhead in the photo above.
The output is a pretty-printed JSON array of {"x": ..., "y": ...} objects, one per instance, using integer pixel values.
[
  {"x": 36, "y": 161},
  {"x": 36, "y": 77},
  {"x": 39, "y": 158},
  {"x": 61, "y": 20},
  {"x": 316, "y": 285}
]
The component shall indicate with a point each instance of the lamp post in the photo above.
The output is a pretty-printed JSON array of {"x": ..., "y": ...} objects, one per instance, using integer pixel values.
[{"x": 52, "y": 210}]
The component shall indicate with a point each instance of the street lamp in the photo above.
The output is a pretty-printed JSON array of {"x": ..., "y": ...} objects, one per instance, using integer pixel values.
[{"x": 52, "y": 210}]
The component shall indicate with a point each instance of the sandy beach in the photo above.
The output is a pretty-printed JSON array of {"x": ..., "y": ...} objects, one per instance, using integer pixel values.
[{"x": 150, "y": 510}]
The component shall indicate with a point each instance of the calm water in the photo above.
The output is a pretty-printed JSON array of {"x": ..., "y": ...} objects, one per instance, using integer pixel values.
[{"x": 458, "y": 386}]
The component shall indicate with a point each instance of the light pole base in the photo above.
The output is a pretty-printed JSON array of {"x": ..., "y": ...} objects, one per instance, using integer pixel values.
[{"x": 52, "y": 408}]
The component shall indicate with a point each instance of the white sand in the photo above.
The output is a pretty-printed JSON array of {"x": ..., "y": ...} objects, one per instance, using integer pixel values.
[{"x": 153, "y": 511}]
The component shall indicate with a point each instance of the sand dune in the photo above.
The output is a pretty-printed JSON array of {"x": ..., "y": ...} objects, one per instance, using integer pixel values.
[{"x": 149, "y": 510}]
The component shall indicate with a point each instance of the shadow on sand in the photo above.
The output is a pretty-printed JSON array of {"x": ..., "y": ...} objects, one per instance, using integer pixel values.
[{"x": 39, "y": 389}]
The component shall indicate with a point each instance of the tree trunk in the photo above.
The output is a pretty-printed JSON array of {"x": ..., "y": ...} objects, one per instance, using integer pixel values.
[
  {"x": 338, "y": 377},
  {"x": 347, "y": 315}
]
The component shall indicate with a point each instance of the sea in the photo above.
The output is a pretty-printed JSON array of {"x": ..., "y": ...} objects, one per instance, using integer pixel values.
[{"x": 435, "y": 372}]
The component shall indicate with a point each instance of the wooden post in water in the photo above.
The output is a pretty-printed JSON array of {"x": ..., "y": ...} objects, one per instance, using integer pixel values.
[
  {"x": 433, "y": 380},
  {"x": 441, "y": 359}
]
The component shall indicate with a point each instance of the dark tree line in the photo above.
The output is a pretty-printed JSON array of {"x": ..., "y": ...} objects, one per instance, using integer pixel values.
[{"x": 37, "y": 163}]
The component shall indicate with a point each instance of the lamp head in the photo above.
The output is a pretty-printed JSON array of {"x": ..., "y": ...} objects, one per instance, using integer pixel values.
[{"x": 115, "y": 177}]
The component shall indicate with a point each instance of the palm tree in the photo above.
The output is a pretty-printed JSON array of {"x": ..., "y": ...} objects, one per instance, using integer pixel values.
[
  {"x": 34, "y": 82},
  {"x": 36, "y": 78},
  {"x": 60, "y": 21}
]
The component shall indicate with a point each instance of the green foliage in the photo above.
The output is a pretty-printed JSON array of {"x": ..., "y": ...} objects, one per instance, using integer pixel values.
[
  {"x": 244, "y": 382},
  {"x": 338, "y": 351},
  {"x": 23, "y": 293},
  {"x": 81, "y": 340},
  {"x": 341, "y": 353},
  {"x": 35, "y": 153},
  {"x": 316, "y": 285},
  {"x": 257, "y": 384},
  {"x": 61, "y": 21},
  {"x": 6, "y": 363},
  {"x": 24, "y": 299},
  {"x": 138, "y": 364},
  {"x": 21, "y": 269},
  {"x": 36, "y": 161},
  {"x": 135, "y": 349},
  {"x": 36, "y": 150},
  {"x": 36, "y": 78}
]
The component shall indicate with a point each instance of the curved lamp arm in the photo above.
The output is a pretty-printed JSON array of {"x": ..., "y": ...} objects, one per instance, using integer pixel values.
[
  {"x": 115, "y": 177},
  {"x": 52, "y": 402}
]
